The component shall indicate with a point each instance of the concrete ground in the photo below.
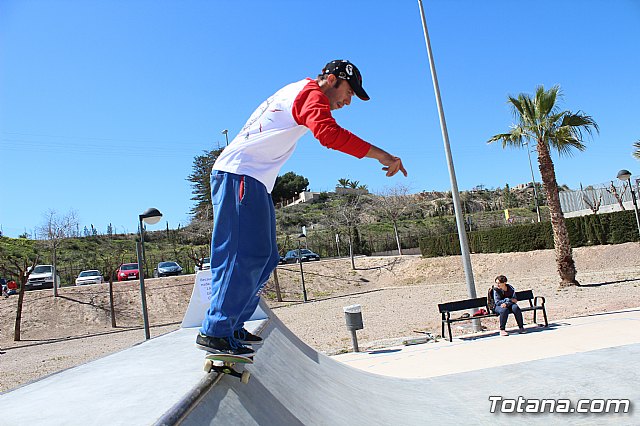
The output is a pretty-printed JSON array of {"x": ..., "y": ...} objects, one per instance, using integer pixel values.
[
  {"x": 593, "y": 357},
  {"x": 486, "y": 350}
]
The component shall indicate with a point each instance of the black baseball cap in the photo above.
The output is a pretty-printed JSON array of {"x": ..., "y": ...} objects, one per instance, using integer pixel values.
[{"x": 347, "y": 71}]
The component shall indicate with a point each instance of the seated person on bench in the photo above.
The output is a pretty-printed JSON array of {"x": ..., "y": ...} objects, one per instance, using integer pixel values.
[{"x": 505, "y": 302}]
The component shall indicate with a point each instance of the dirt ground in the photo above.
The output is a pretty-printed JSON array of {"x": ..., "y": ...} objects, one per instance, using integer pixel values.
[{"x": 398, "y": 295}]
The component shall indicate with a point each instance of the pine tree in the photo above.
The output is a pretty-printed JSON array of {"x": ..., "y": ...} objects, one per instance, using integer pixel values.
[{"x": 200, "y": 179}]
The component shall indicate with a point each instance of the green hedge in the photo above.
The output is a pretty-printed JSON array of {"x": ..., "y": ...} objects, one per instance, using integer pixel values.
[{"x": 609, "y": 228}]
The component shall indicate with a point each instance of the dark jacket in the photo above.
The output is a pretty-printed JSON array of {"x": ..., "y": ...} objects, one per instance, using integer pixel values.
[{"x": 501, "y": 297}]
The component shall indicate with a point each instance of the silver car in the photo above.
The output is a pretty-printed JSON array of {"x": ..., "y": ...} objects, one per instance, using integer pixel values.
[{"x": 167, "y": 269}]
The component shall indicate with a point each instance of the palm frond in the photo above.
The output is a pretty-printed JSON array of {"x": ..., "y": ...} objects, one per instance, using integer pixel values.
[
  {"x": 546, "y": 101},
  {"x": 636, "y": 153},
  {"x": 516, "y": 107},
  {"x": 564, "y": 141},
  {"x": 529, "y": 108},
  {"x": 513, "y": 139},
  {"x": 580, "y": 121},
  {"x": 555, "y": 119}
]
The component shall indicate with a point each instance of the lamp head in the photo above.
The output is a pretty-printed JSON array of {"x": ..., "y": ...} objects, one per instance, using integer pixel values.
[
  {"x": 624, "y": 175},
  {"x": 151, "y": 216}
]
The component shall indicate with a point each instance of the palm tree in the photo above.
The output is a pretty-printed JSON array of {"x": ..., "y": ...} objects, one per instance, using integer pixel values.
[
  {"x": 354, "y": 184},
  {"x": 636, "y": 153},
  {"x": 344, "y": 183},
  {"x": 539, "y": 119}
]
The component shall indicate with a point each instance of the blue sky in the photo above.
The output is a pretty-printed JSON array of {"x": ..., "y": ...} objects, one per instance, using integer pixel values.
[{"x": 105, "y": 104}]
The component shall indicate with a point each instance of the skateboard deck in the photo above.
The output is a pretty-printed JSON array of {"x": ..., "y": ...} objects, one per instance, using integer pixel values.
[
  {"x": 420, "y": 340},
  {"x": 222, "y": 363}
]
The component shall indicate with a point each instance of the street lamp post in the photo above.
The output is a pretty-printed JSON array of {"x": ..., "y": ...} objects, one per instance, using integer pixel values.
[
  {"x": 150, "y": 216},
  {"x": 462, "y": 233},
  {"x": 625, "y": 176},
  {"x": 533, "y": 180},
  {"x": 304, "y": 289},
  {"x": 225, "y": 132}
]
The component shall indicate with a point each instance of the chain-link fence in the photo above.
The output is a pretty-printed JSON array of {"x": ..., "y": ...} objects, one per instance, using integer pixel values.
[{"x": 601, "y": 198}]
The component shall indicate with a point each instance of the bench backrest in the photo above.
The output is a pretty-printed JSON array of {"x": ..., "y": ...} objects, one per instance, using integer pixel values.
[
  {"x": 524, "y": 295},
  {"x": 480, "y": 302}
]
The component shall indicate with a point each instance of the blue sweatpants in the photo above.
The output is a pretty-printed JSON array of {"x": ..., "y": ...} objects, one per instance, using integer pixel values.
[{"x": 243, "y": 250}]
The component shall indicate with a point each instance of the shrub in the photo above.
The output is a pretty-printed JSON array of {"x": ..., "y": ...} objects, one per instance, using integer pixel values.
[{"x": 610, "y": 228}]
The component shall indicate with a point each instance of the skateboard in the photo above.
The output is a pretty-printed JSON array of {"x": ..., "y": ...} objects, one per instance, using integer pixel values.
[
  {"x": 420, "y": 340},
  {"x": 222, "y": 363}
]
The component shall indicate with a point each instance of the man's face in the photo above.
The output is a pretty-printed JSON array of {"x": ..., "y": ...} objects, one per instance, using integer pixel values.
[{"x": 338, "y": 96}]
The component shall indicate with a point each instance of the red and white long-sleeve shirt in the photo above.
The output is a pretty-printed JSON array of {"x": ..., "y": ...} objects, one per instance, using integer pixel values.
[{"x": 270, "y": 135}]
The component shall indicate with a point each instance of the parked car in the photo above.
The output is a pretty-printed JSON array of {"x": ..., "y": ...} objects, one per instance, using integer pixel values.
[
  {"x": 128, "y": 271},
  {"x": 166, "y": 269},
  {"x": 206, "y": 264},
  {"x": 91, "y": 276},
  {"x": 282, "y": 261},
  {"x": 41, "y": 277},
  {"x": 305, "y": 254}
]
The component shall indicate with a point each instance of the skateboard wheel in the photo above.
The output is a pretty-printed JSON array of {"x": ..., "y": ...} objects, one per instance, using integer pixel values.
[
  {"x": 245, "y": 377},
  {"x": 208, "y": 365}
]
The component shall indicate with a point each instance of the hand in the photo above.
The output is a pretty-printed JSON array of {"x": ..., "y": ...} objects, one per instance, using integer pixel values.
[
  {"x": 514, "y": 300},
  {"x": 392, "y": 164},
  {"x": 504, "y": 305}
]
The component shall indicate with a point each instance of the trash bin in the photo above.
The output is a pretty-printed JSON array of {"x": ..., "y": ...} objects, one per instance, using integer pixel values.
[{"x": 353, "y": 316}]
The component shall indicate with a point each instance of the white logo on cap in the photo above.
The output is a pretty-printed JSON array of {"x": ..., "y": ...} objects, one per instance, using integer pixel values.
[{"x": 349, "y": 69}]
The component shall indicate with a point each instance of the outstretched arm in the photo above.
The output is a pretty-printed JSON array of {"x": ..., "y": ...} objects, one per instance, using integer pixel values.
[{"x": 392, "y": 164}]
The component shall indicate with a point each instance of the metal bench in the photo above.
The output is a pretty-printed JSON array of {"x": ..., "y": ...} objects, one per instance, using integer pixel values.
[{"x": 535, "y": 304}]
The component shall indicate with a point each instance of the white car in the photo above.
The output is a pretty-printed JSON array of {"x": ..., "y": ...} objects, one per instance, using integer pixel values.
[
  {"x": 91, "y": 276},
  {"x": 206, "y": 264},
  {"x": 41, "y": 277}
]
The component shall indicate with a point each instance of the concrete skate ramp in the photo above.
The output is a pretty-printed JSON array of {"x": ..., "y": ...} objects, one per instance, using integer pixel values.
[{"x": 293, "y": 384}]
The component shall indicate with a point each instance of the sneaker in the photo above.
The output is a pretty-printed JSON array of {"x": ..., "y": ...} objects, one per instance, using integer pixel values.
[
  {"x": 522, "y": 330},
  {"x": 222, "y": 345},
  {"x": 246, "y": 338},
  {"x": 503, "y": 333}
]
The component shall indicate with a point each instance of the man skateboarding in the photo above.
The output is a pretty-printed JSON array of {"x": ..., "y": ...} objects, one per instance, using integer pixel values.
[{"x": 243, "y": 246}]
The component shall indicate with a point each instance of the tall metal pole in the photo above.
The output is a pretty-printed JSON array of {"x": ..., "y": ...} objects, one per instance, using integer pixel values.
[
  {"x": 143, "y": 296},
  {"x": 462, "y": 234},
  {"x": 55, "y": 271},
  {"x": 304, "y": 289},
  {"x": 535, "y": 191},
  {"x": 625, "y": 176},
  {"x": 635, "y": 206}
]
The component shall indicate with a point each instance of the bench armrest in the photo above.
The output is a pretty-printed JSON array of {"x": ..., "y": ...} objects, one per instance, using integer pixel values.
[{"x": 535, "y": 300}]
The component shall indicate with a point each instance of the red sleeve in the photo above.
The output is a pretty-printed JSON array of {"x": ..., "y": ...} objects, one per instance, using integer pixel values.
[{"x": 311, "y": 109}]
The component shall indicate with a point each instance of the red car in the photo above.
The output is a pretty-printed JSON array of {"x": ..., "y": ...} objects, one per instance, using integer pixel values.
[{"x": 128, "y": 271}]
